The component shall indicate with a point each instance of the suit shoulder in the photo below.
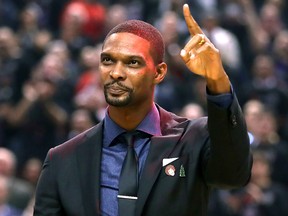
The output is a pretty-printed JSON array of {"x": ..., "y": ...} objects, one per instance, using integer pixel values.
[
  {"x": 195, "y": 123},
  {"x": 198, "y": 124},
  {"x": 70, "y": 145}
]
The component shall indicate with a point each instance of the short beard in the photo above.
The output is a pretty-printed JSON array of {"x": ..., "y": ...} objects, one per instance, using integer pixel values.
[{"x": 114, "y": 101}]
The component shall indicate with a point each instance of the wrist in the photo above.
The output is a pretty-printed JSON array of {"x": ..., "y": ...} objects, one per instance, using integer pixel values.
[{"x": 219, "y": 86}]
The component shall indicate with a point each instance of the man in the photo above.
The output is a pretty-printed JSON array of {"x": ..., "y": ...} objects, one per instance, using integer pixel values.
[
  {"x": 179, "y": 160},
  {"x": 6, "y": 208},
  {"x": 20, "y": 191}
]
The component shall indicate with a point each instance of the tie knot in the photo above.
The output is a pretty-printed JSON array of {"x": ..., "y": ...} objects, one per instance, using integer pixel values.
[{"x": 129, "y": 137}]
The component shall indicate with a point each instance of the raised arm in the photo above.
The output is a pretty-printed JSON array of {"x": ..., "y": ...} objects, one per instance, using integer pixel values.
[{"x": 226, "y": 160}]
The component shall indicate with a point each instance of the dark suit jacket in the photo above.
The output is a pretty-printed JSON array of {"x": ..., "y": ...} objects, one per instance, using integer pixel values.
[{"x": 210, "y": 154}]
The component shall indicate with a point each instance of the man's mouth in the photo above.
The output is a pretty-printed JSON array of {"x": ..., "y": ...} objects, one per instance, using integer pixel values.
[{"x": 115, "y": 89}]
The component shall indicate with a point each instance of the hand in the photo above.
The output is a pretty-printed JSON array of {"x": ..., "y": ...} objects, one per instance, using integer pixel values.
[
  {"x": 202, "y": 58},
  {"x": 255, "y": 192},
  {"x": 29, "y": 92}
]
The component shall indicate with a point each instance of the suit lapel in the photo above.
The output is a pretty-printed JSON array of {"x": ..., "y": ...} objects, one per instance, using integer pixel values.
[
  {"x": 89, "y": 165},
  {"x": 161, "y": 147}
]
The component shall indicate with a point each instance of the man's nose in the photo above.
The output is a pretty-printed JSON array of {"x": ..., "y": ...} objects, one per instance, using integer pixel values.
[{"x": 118, "y": 72}]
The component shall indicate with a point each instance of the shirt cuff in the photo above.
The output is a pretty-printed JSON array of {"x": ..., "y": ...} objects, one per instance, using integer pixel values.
[{"x": 222, "y": 100}]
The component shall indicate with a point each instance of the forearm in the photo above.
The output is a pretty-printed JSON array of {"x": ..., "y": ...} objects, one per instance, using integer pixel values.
[
  {"x": 257, "y": 35},
  {"x": 17, "y": 114},
  {"x": 227, "y": 158},
  {"x": 58, "y": 115}
]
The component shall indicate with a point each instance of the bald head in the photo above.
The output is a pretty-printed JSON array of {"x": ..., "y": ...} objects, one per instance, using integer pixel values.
[{"x": 7, "y": 162}]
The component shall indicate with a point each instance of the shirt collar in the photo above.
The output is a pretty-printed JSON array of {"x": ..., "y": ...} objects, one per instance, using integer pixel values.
[{"x": 150, "y": 125}]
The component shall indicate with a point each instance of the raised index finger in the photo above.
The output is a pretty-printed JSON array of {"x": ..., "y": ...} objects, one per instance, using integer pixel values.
[{"x": 192, "y": 25}]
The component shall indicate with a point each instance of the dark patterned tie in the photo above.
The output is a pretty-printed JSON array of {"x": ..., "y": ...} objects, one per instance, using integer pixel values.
[{"x": 128, "y": 182}]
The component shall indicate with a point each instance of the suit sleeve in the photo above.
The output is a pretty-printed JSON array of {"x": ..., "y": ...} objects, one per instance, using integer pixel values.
[
  {"x": 46, "y": 197},
  {"x": 227, "y": 159}
]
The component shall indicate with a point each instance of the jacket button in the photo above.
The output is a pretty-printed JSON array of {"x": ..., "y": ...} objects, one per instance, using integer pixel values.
[{"x": 233, "y": 120}]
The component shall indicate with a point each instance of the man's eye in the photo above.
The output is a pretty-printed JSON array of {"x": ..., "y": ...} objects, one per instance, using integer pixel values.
[
  {"x": 106, "y": 60},
  {"x": 134, "y": 62}
]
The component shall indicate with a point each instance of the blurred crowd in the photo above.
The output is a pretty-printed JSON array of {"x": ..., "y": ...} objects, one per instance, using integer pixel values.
[{"x": 50, "y": 89}]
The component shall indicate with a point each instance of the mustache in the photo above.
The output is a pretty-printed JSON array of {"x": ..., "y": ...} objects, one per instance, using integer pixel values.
[{"x": 117, "y": 84}]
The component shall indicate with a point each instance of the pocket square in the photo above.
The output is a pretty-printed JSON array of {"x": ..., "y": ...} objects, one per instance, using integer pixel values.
[{"x": 166, "y": 161}]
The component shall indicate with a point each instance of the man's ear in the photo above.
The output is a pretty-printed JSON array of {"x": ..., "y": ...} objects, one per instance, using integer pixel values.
[{"x": 161, "y": 70}]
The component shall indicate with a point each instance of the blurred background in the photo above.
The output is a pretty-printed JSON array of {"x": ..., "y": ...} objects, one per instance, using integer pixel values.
[{"x": 50, "y": 89}]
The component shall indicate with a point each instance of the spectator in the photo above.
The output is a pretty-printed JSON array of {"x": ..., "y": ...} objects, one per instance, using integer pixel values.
[
  {"x": 40, "y": 122},
  {"x": 81, "y": 120},
  {"x": 20, "y": 191},
  {"x": 54, "y": 67},
  {"x": 31, "y": 170},
  {"x": 266, "y": 197},
  {"x": 116, "y": 14},
  {"x": 5, "y": 208},
  {"x": 59, "y": 49},
  {"x": 8, "y": 14},
  {"x": 13, "y": 72},
  {"x": 37, "y": 50},
  {"x": 192, "y": 111},
  {"x": 267, "y": 87},
  {"x": 261, "y": 197},
  {"x": 280, "y": 53},
  {"x": 172, "y": 94},
  {"x": 71, "y": 30},
  {"x": 88, "y": 89},
  {"x": 224, "y": 40},
  {"x": 263, "y": 128},
  {"x": 253, "y": 110},
  {"x": 269, "y": 142},
  {"x": 264, "y": 27},
  {"x": 87, "y": 16},
  {"x": 12, "y": 75},
  {"x": 29, "y": 25}
]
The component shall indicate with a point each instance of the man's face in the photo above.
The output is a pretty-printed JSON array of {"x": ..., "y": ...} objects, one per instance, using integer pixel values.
[{"x": 127, "y": 70}]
